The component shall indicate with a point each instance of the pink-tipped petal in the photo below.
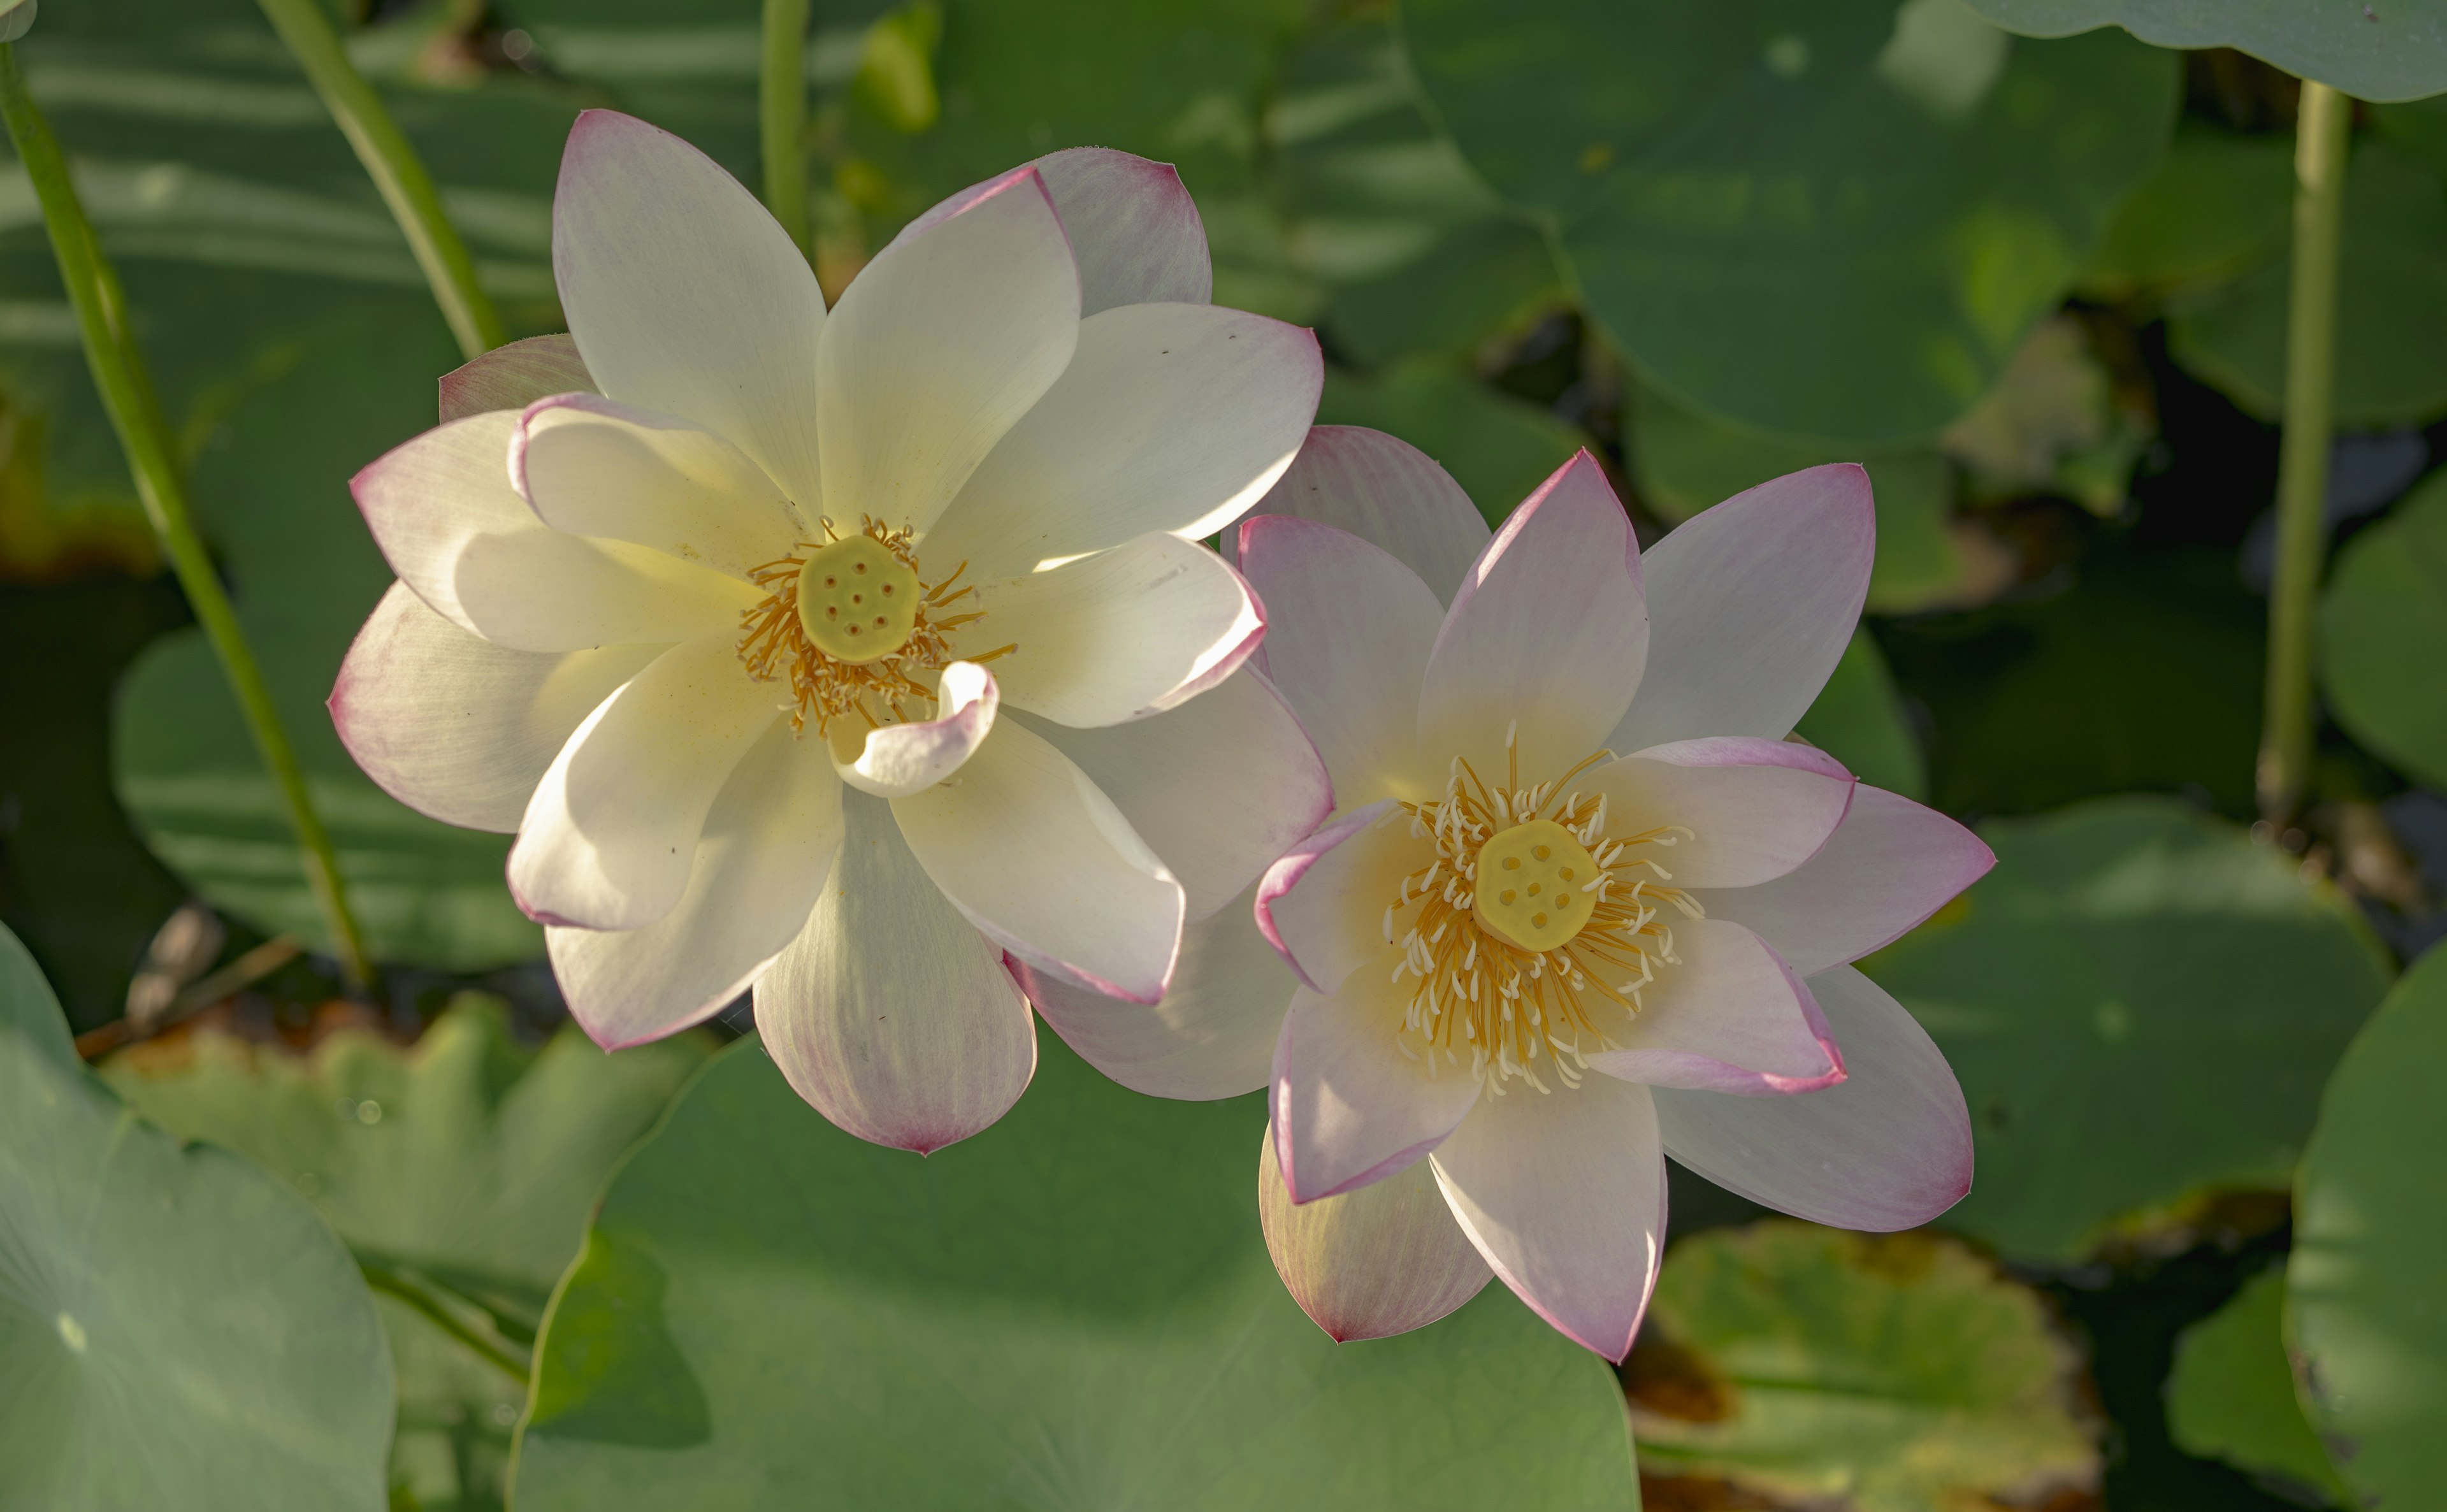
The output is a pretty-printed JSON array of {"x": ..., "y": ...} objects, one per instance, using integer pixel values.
[
  {"x": 1387, "y": 493},
  {"x": 443, "y": 511},
  {"x": 1039, "y": 859},
  {"x": 1548, "y": 633},
  {"x": 1372, "y": 1263},
  {"x": 1348, "y": 633},
  {"x": 1122, "y": 633},
  {"x": 1564, "y": 1194},
  {"x": 899, "y": 759},
  {"x": 1755, "y": 809},
  {"x": 1725, "y": 1017},
  {"x": 1752, "y": 603},
  {"x": 1219, "y": 786},
  {"x": 1132, "y": 226},
  {"x": 593, "y": 466},
  {"x": 1889, "y": 1148},
  {"x": 1349, "y": 1105},
  {"x": 1172, "y": 418},
  {"x": 1323, "y": 903},
  {"x": 515, "y": 376},
  {"x": 686, "y": 297},
  {"x": 455, "y": 727},
  {"x": 608, "y": 840},
  {"x": 1211, "y": 1035},
  {"x": 889, "y": 1013},
  {"x": 938, "y": 348},
  {"x": 1889, "y": 865},
  {"x": 767, "y": 844}
]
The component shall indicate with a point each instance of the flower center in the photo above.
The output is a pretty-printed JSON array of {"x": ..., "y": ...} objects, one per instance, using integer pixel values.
[
  {"x": 1533, "y": 929},
  {"x": 849, "y": 623}
]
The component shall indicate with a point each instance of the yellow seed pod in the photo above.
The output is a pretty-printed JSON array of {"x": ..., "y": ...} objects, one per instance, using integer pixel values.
[
  {"x": 856, "y": 601},
  {"x": 1532, "y": 885}
]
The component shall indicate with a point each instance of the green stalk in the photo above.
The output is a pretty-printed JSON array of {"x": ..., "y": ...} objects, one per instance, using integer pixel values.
[
  {"x": 135, "y": 415},
  {"x": 396, "y": 171},
  {"x": 2284, "y": 761},
  {"x": 384, "y": 1279},
  {"x": 782, "y": 116}
]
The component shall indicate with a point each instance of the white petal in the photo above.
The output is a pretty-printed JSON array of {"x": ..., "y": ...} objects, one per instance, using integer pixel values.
[
  {"x": 1387, "y": 493},
  {"x": 1752, "y": 603},
  {"x": 610, "y": 835},
  {"x": 1756, "y": 809},
  {"x": 940, "y": 345},
  {"x": 1564, "y": 1194},
  {"x": 1132, "y": 227},
  {"x": 1121, "y": 634},
  {"x": 455, "y": 727},
  {"x": 593, "y": 466},
  {"x": 442, "y": 509},
  {"x": 899, "y": 759},
  {"x": 1348, "y": 633},
  {"x": 1211, "y": 1035},
  {"x": 1025, "y": 845},
  {"x": 515, "y": 376},
  {"x": 1349, "y": 1106},
  {"x": 685, "y": 296},
  {"x": 1890, "y": 865},
  {"x": 767, "y": 844},
  {"x": 1890, "y": 1149},
  {"x": 1727, "y": 1016},
  {"x": 1546, "y": 634},
  {"x": 1172, "y": 418},
  {"x": 890, "y": 1014},
  {"x": 1219, "y": 786},
  {"x": 1379, "y": 1260},
  {"x": 1325, "y": 902}
]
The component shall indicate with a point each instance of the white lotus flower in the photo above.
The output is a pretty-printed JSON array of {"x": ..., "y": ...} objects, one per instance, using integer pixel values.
[
  {"x": 1583, "y": 906},
  {"x": 671, "y": 585}
]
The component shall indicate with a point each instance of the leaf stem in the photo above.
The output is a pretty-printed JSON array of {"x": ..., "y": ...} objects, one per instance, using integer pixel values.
[
  {"x": 2283, "y": 770},
  {"x": 396, "y": 170},
  {"x": 135, "y": 414},
  {"x": 781, "y": 116},
  {"x": 383, "y": 1278}
]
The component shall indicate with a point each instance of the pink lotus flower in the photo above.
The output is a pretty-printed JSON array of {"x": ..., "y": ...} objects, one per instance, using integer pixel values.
[
  {"x": 1582, "y": 906},
  {"x": 855, "y": 655}
]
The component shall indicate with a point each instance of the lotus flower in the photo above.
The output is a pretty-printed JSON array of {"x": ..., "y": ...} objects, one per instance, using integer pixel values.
[
  {"x": 1583, "y": 904},
  {"x": 852, "y": 655}
]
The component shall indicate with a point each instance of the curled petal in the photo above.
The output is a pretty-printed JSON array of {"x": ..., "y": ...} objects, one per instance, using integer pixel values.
[
  {"x": 889, "y": 1013},
  {"x": 608, "y": 840},
  {"x": 1349, "y": 1105},
  {"x": 1040, "y": 861},
  {"x": 1889, "y": 1148},
  {"x": 592, "y": 466},
  {"x": 768, "y": 845},
  {"x": 1372, "y": 1263},
  {"x": 1887, "y": 866},
  {"x": 1124, "y": 634},
  {"x": 515, "y": 376},
  {"x": 726, "y": 340},
  {"x": 1727, "y": 1016},
  {"x": 1211, "y": 1035},
  {"x": 897, "y": 760},
  {"x": 1546, "y": 635},
  {"x": 1751, "y": 604},
  {"x": 1387, "y": 493},
  {"x": 1323, "y": 904},
  {"x": 1754, "y": 809},
  {"x": 1564, "y": 1194},
  {"x": 455, "y": 727}
]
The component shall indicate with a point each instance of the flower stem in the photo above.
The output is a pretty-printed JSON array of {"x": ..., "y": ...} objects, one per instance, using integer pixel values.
[
  {"x": 782, "y": 116},
  {"x": 2302, "y": 462},
  {"x": 135, "y": 415},
  {"x": 396, "y": 170},
  {"x": 391, "y": 1283}
]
